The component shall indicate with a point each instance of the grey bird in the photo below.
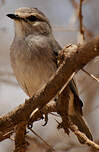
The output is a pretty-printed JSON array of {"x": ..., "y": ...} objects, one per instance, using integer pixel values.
[{"x": 34, "y": 58}]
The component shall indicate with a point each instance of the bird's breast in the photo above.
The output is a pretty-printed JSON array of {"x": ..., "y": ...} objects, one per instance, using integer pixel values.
[{"x": 31, "y": 71}]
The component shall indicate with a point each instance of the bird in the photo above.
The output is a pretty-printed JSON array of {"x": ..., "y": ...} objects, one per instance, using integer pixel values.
[{"x": 33, "y": 55}]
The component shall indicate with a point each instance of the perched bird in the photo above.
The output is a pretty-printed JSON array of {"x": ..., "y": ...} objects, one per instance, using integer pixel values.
[{"x": 34, "y": 58}]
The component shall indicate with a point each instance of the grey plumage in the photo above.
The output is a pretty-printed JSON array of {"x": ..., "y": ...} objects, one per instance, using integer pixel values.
[{"x": 33, "y": 57}]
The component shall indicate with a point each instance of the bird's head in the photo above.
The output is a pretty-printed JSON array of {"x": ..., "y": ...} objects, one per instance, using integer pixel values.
[{"x": 30, "y": 21}]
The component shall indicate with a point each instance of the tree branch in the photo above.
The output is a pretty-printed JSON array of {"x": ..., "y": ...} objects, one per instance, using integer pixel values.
[
  {"x": 20, "y": 142},
  {"x": 75, "y": 59}
]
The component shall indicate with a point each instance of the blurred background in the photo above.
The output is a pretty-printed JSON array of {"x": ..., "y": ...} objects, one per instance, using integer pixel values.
[{"x": 63, "y": 18}]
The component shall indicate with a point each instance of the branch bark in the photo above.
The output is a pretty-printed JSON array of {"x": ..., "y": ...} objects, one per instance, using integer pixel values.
[
  {"x": 20, "y": 142},
  {"x": 75, "y": 59}
]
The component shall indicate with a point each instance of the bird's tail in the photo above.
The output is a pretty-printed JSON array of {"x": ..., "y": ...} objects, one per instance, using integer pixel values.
[
  {"x": 76, "y": 114},
  {"x": 79, "y": 121}
]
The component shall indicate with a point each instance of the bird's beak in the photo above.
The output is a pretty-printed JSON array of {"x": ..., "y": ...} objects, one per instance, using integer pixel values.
[{"x": 13, "y": 16}]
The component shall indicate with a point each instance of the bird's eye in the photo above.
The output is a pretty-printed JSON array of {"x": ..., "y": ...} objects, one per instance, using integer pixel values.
[{"x": 32, "y": 18}]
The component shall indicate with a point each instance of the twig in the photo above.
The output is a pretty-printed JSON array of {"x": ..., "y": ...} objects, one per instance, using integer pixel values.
[
  {"x": 75, "y": 130},
  {"x": 36, "y": 142},
  {"x": 81, "y": 20},
  {"x": 5, "y": 136},
  {"x": 83, "y": 28},
  {"x": 49, "y": 146},
  {"x": 70, "y": 78},
  {"x": 91, "y": 75}
]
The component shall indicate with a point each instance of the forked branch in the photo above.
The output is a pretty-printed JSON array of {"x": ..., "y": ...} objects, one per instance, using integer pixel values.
[{"x": 74, "y": 58}]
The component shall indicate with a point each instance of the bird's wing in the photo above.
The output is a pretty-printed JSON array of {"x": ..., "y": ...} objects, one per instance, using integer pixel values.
[
  {"x": 77, "y": 101},
  {"x": 75, "y": 105}
]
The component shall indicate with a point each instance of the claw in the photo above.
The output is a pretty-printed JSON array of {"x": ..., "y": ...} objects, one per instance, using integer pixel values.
[
  {"x": 46, "y": 120},
  {"x": 30, "y": 125}
]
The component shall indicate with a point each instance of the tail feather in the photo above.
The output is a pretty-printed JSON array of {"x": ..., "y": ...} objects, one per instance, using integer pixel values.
[
  {"x": 82, "y": 126},
  {"x": 75, "y": 112}
]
